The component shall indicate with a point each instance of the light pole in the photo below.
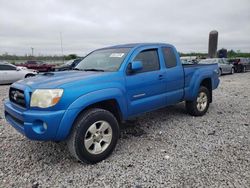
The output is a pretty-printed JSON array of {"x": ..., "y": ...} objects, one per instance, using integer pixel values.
[
  {"x": 61, "y": 46},
  {"x": 32, "y": 50}
]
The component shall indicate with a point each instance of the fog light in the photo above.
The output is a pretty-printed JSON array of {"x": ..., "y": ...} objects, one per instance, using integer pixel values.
[
  {"x": 39, "y": 127},
  {"x": 45, "y": 126}
]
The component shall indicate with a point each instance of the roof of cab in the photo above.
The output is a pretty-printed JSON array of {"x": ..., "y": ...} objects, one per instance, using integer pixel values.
[{"x": 135, "y": 45}]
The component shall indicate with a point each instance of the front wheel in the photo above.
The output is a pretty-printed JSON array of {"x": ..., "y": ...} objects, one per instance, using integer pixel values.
[
  {"x": 199, "y": 106},
  {"x": 29, "y": 75},
  {"x": 94, "y": 136}
]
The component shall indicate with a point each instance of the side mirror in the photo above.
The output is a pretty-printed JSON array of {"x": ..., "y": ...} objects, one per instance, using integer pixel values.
[
  {"x": 136, "y": 66},
  {"x": 18, "y": 69}
]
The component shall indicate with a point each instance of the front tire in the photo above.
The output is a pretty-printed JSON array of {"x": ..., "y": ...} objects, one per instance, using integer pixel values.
[
  {"x": 94, "y": 136},
  {"x": 200, "y": 105}
]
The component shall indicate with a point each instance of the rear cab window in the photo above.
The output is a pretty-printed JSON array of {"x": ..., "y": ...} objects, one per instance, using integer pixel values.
[{"x": 169, "y": 57}]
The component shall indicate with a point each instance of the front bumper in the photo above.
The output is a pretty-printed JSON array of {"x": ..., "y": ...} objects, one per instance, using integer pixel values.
[{"x": 34, "y": 124}]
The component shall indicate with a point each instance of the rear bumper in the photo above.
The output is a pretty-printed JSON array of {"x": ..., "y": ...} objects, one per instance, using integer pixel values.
[{"x": 34, "y": 124}]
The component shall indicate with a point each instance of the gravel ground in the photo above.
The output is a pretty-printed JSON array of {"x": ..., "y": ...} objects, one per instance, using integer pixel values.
[{"x": 165, "y": 148}]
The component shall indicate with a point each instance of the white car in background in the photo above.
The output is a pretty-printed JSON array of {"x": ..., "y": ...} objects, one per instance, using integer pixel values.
[
  {"x": 10, "y": 73},
  {"x": 225, "y": 67}
]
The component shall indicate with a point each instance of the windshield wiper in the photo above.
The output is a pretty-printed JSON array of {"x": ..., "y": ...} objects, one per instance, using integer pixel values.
[
  {"x": 97, "y": 70},
  {"x": 76, "y": 69}
]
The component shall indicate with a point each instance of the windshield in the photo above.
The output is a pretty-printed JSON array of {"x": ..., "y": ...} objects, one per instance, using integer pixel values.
[{"x": 105, "y": 60}]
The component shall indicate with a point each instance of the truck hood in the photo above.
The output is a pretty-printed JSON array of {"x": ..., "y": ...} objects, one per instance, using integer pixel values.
[{"x": 57, "y": 79}]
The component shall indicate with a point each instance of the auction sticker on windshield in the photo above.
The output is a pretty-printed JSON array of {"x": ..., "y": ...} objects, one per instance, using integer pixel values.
[{"x": 117, "y": 55}]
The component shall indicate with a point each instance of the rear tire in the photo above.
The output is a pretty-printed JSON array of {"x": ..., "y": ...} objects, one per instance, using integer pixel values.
[
  {"x": 200, "y": 105},
  {"x": 94, "y": 136}
]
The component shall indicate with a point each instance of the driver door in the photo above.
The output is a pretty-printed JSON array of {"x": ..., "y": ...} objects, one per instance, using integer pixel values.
[{"x": 145, "y": 88}]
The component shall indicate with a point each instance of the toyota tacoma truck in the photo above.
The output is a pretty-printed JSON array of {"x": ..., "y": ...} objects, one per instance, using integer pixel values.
[{"x": 85, "y": 106}]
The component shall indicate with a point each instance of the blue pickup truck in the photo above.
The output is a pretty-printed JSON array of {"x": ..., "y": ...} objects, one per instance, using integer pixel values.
[{"x": 109, "y": 86}]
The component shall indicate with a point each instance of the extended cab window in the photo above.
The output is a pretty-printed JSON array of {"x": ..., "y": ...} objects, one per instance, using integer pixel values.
[
  {"x": 169, "y": 57},
  {"x": 149, "y": 59}
]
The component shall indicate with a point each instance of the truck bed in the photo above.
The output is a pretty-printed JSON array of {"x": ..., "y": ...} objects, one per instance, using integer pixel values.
[{"x": 194, "y": 72}]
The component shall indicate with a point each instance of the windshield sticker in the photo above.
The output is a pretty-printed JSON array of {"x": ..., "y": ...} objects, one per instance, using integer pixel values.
[{"x": 117, "y": 55}]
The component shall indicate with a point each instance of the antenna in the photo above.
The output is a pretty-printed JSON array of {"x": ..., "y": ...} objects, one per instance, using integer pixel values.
[{"x": 61, "y": 46}]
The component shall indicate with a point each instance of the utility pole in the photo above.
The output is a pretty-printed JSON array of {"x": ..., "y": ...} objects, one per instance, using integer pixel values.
[
  {"x": 32, "y": 53},
  {"x": 61, "y": 46},
  {"x": 32, "y": 50}
]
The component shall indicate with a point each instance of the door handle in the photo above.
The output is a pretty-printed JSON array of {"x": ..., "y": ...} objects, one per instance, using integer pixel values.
[{"x": 160, "y": 77}]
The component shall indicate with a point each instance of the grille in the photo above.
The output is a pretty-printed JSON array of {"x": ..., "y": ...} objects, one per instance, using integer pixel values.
[{"x": 17, "y": 96}]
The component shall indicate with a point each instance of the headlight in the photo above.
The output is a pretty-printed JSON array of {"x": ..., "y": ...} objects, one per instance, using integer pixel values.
[{"x": 45, "y": 98}]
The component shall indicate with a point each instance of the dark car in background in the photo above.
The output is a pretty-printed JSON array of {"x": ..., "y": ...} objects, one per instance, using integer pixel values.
[
  {"x": 38, "y": 65},
  {"x": 241, "y": 64},
  {"x": 69, "y": 65}
]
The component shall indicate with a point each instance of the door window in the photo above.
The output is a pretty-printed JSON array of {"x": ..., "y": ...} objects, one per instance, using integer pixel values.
[
  {"x": 149, "y": 59},
  {"x": 7, "y": 68},
  {"x": 169, "y": 57}
]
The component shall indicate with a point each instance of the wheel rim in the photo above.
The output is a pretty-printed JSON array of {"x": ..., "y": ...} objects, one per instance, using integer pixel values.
[
  {"x": 98, "y": 137},
  {"x": 202, "y": 101}
]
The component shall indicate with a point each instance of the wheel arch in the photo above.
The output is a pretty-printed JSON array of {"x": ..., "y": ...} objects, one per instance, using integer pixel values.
[
  {"x": 28, "y": 74},
  {"x": 116, "y": 105},
  {"x": 207, "y": 82}
]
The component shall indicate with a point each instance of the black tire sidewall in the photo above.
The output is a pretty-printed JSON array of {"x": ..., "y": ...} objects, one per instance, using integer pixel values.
[
  {"x": 83, "y": 126},
  {"x": 29, "y": 75}
]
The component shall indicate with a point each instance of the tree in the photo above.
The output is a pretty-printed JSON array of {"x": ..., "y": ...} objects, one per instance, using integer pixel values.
[{"x": 70, "y": 56}]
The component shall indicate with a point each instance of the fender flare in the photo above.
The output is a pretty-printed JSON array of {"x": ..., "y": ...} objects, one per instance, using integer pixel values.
[
  {"x": 86, "y": 100},
  {"x": 195, "y": 83}
]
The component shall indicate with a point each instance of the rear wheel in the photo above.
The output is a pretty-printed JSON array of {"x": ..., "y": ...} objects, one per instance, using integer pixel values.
[
  {"x": 94, "y": 136},
  {"x": 199, "y": 106}
]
